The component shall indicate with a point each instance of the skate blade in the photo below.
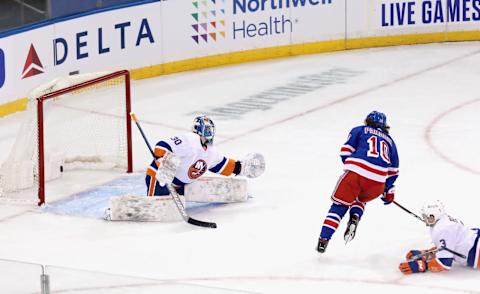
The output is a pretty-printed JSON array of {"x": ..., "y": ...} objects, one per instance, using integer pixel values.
[{"x": 349, "y": 237}]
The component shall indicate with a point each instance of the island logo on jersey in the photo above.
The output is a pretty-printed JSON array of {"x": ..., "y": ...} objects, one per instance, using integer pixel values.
[{"x": 197, "y": 169}]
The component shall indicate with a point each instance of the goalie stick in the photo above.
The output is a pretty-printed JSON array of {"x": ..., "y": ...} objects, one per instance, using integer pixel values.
[
  {"x": 421, "y": 219},
  {"x": 171, "y": 189}
]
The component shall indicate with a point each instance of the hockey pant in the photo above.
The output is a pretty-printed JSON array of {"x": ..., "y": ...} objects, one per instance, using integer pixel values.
[
  {"x": 351, "y": 193},
  {"x": 154, "y": 188}
]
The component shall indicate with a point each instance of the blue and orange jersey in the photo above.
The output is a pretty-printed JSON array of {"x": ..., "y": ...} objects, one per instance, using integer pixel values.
[
  {"x": 371, "y": 153},
  {"x": 195, "y": 159}
]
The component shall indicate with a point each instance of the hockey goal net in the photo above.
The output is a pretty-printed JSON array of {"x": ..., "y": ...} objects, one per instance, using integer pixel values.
[{"x": 78, "y": 122}]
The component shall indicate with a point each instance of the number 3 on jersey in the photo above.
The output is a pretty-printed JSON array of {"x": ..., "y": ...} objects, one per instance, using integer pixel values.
[{"x": 374, "y": 148}]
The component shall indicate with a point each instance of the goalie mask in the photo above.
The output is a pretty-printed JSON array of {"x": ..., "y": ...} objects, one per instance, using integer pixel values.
[
  {"x": 205, "y": 128},
  {"x": 432, "y": 212}
]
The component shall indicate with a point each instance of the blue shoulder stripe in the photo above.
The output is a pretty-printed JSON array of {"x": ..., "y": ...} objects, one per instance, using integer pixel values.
[
  {"x": 219, "y": 166},
  {"x": 164, "y": 145}
]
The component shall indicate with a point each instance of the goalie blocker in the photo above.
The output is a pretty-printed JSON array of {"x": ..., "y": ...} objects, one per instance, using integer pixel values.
[{"x": 163, "y": 209}]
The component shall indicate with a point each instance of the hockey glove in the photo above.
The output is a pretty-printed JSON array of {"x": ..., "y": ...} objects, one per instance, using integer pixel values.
[
  {"x": 425, "y": 255},
  {"x": 167, "y": 167},
  {"x": 253, "y": 165},
  {"x": 388, "y": 196},
  {"x": 414, "y": 255},
  {"x": 419, "y": 266}
]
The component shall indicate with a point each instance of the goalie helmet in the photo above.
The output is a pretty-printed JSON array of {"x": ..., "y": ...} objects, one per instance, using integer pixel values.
[
  {"x": 377, "y": 119},
  {"x": 432, "y": 212},
  {"x": 205, "y": 128}
]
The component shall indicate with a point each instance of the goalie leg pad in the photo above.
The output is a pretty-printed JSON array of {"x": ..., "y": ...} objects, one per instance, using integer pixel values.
[
  {"x": 216, "y": 189},
  {"x": 142, "y": 209}
]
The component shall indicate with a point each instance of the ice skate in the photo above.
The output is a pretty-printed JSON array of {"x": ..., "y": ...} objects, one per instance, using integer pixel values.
[
  {"x": 351, "y": 228},
  {"x": 322, "y": 245}
]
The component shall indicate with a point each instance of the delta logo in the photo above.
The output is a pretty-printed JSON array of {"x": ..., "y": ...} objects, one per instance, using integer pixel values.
[
  {"x": 2, "y": 68},
  {"x": 33, "y": 66},
  {"x": 208, "y": 21}
]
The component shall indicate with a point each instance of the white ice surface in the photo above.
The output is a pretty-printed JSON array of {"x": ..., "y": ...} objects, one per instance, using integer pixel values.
[{"x": 266, "y": 245}]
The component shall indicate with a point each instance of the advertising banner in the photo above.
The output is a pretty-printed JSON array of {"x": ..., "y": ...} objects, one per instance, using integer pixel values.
[
  {"x": 148, "y": 37},
  {"x": 118, "y": 39}
]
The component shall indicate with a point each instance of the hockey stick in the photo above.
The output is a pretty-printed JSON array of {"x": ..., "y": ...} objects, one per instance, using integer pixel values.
[
  {"x": 425, "y": 253},
  {"x": 408, "y": 211},
  {"x": 171, "y": 189},
  {"x": 420, "y": 255},
  {"x": 453, "y": 252},
  {"x": 421, "y": 219}
]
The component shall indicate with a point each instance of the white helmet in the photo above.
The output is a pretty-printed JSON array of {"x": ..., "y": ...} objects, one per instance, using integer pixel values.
[{"x": 432, "y": 212}]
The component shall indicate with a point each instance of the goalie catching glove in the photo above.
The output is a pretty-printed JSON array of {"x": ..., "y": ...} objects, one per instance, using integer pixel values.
[
  {"x": 252, "y": 166},
  {"x": 167, "y": 167}
]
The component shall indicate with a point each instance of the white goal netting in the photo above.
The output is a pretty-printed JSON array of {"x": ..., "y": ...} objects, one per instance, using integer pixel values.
[{"x": 72, "y": 123}]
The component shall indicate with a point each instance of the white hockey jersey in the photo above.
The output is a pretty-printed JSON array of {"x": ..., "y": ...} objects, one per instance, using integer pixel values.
[
  {"x": 453, "y": 234},
  {"x": 195, "y": 159}
]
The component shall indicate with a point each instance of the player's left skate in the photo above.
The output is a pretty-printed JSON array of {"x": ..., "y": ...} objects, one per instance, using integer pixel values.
[{"x": 351, "y": 228}]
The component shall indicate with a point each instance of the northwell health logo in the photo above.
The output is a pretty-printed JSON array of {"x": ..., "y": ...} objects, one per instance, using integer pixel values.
[
  {"x": 209, "y": 20},
  {"x": 272, "y": 18}
]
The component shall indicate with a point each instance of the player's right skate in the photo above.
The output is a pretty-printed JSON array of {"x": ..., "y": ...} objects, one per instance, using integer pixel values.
[
  {"x": 322, "y": 245},
  {"x": 351, "y": 228}
]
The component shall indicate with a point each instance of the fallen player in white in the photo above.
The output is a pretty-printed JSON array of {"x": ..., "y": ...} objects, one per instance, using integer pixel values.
[{"x": 453, "y": 242}]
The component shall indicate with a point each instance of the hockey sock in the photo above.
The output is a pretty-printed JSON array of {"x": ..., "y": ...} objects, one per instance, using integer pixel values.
[
  {"x": 331, "y": 222},
  {"x": 357, "y": 208}
]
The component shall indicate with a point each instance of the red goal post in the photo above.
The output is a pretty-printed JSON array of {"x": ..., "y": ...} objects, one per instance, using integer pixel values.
[{"x": 82, "y": 122}]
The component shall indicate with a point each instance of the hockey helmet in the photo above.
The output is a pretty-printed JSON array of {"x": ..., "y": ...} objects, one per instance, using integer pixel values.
[
  {"x": 377, "y": 119},
  {"x": 432, "y": 212},
  {"x": 205, "y": 128}
]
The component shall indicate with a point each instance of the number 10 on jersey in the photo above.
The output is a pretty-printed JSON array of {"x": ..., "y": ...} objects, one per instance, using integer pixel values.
[{"x": 378, "y": 147}]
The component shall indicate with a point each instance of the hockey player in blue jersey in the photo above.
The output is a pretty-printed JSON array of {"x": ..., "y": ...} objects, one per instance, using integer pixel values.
[{"x": 370, "y": 161}]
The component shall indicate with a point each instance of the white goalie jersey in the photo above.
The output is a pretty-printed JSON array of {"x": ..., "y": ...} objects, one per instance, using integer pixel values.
[{"x": 195, "y": 159}]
